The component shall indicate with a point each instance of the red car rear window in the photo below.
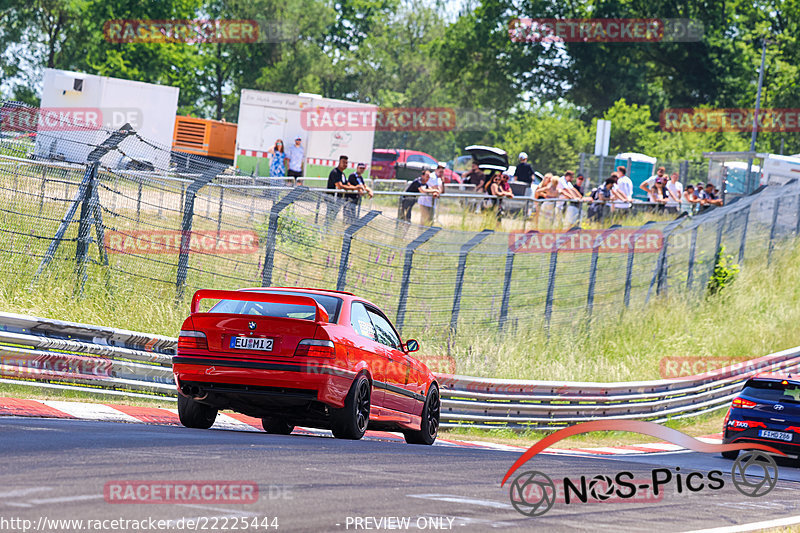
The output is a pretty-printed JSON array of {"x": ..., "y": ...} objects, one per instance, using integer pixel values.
[{"x": 382, "y": 156}]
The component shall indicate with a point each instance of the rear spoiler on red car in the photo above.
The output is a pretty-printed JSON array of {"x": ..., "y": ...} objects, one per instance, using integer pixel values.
[{"x": 213, "y": 294}]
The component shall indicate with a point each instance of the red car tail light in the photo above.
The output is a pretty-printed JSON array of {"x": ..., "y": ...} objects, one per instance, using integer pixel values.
[
  {"x": 315, "y": 348},
  {"x": 742, "y": 403},
  {"x": 192, "y": 340}
]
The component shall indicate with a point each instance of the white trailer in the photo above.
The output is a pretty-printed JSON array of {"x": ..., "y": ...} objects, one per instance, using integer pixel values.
[
  {"x": 328, "y": 128},
  {"x": 79, "y": 111}
]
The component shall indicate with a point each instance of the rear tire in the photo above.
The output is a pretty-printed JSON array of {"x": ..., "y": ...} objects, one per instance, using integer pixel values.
[
  {"x": 194, "y": 414},
  {"x": 429, "y": 427},
  {"x": 276, "y": 426},
  {"x": 350, "y": 422},
  {"x": 733, "y": 454}
]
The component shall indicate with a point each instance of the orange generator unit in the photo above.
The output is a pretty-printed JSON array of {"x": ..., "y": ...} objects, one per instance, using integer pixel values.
[{"x": 209, "y": 138}]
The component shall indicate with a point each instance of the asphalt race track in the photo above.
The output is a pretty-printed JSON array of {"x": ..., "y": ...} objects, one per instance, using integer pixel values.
[{"x": 57, "y": 469}]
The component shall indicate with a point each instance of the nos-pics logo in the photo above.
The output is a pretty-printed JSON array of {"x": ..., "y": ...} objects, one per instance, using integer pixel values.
[{"x": 533, "y": 493}]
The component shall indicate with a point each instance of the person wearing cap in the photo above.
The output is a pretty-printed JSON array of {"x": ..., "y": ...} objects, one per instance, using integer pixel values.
[
  {"x": 428, "y": 204},
  {"x": 359, "y": 186},
  {"x": 524, "y": 171},
  {"x": 295, "y": 158}
]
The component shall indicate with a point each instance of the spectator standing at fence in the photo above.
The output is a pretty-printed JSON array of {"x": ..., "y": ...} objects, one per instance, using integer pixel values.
[
  {"x": 674, "y": 194},
  {"x": 429, "y": 203},
  {"x": 689, "y": 201},
  {"x": 524, "y": 172},
  {"x": 277, "y": 167},
  {"x": 601, "y": 198},
  {"x": 658, "y": 195},
  {"x": 295, "y": 157},
  {"x": 711, "y": 198},
  {"x": 475, "y": 177},
  {"x": 579, "y": 184},
  {"x": 648, "y": 183},
  {"x": 356, "y": 180},
  {"x": 565, "y": 187},
  {"x": 623, "y": 190},
  {"x": 337, "y": 181},
  {"x": 419, "y": 185}
]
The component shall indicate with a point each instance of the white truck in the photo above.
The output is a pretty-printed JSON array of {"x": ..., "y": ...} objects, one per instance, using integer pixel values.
[
  {"x": 327, "y": 128},
  {"x": 79, "y": 111}
]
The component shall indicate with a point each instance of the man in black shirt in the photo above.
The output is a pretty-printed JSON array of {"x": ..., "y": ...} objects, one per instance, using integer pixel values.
[
  {"x": 337, "y": 180},
  {"x": 524, "y": 171},
  {"x": 356, "y": 180},
  {"x": 418, "y": 185}
]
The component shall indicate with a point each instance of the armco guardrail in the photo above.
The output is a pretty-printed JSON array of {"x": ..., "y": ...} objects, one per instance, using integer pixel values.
[{"x": 41, "y": 350}]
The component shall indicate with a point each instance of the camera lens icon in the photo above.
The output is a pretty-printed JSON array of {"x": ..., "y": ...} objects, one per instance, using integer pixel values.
[{"x": 532, "y": 493}]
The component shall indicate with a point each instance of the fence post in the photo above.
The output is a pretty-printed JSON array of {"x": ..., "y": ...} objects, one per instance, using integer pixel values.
[
  {"x": 272, "y": 232},
  {"x": 718, "y": 241},
  {"x": 551, "y": 281},
  {"x": 775, "y": 207},
  {"x": 407, "y": 262},
  {"x": 660, "y": 272},
  {"x": 744, "y": 231},
  {"x": 84, "y": 229},
  {"x": 506, "y": 289},
  {"x": 683, "y": 172},
  {"x": 88, "y": 177},
  {"x": 219, "y": 213},
  {"x": 690, "y": 268},
  {"x": 347, "y": 239},
  {"x": 629, "y": 270},
  {"x": 139, "y": 202},
  {"x": 593, "y": 268},
  {"x": 797, "y": 226},
  {"x": 462, "y": 265}
]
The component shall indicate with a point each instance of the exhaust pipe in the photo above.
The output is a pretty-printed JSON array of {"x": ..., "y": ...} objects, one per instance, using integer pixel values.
[{"x": 193, "y": 392}]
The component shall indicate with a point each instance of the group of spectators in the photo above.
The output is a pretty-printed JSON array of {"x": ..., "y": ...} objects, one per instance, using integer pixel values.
[
  {"x": 565, "y": 193},
  {"x": 287, "y": 161}
]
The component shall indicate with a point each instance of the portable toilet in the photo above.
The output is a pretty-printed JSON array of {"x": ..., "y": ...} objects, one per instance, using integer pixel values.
[{"x": 642, "y": 167}]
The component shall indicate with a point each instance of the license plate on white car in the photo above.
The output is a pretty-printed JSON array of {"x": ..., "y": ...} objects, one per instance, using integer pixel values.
[
  {"x": 777, "y": 435},
  {"x": 252, "y": 343}
]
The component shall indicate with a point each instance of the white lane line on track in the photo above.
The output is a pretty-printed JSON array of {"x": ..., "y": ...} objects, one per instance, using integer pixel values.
[
  {"x": 461, "y": 499},
  {"x": 224, "y": 421},
  {"x": 23, "y": 492},
  {"x": 64, "y": 499},
  {"x": 753, "y": 526},
  {"x": 91, "y": 411}
]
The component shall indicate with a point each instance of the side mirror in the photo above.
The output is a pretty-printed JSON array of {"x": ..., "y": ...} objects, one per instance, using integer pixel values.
[{"x": 412, "y": 345}]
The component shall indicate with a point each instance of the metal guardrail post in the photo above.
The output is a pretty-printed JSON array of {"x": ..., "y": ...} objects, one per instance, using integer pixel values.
[
  {"x": 629, "y": 270},
  {"x": 407, "y": 263},
  {"x": 690, "y": 267},
  {"x": 501, "y": 323},
  {"x": 551, "y": 281},
  {"x": 744, "y": 230},
  {"x": 775, "y": 208},
  {"x": 462, "y": 266},
  {"x": 347, "y": 240},
  {"x": 593, "y": 267},
  {"x": 272, "y": 232}
]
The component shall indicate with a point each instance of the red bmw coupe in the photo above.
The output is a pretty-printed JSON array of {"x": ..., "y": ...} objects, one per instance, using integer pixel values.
[{"x": 309, "y": 357}]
